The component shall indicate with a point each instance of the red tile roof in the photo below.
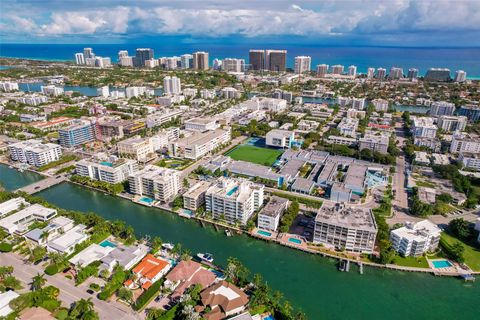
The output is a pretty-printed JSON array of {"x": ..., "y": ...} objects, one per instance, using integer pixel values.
[{"x": 150, "y": 266}]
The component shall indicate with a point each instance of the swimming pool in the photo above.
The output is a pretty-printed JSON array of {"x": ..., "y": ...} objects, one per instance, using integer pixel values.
[
  {"x": 108, "y": 164},
  {"x": 146, "y": 200},
  {"x": 234, "y": 189},
  {"x": 107, "y": 243},
  {"x": 438, "y": 264},
  {"x": 295, "y": 240},
  {"x": 264, "y": 233},
  {"x": 269, "y": 317}
]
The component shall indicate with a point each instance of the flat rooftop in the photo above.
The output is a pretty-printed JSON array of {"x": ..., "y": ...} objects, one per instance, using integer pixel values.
[{"x": 347, "y": 216}]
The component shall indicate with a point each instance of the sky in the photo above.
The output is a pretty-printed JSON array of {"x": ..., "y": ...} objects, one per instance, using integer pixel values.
[{"x": 454, "y": 23}]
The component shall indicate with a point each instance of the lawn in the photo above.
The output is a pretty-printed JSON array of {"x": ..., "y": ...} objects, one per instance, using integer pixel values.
[
  {"x": 254, "y": 154},
  {"x": 471, "y": 254},
  {"x": 425, "y": 184},
  {"x": 418, "y": 262}
]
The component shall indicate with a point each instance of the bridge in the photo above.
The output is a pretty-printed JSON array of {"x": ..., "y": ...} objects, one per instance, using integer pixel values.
[{"x": 43, "y": 184}]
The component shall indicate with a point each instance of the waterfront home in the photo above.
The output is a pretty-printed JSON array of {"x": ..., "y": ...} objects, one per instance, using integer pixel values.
[
  {"x": 186, "y": 274},
  {"x": 57, "y": 226},
  {"x": 345, "y": 227},
  {"x": 92, "y": 253},
  {"x": 415, "y": 239},
  {"x": 66, "y": 243},
  {"x": 148, "y": 271},
  {"x": 125, "y": 256},
  {"x": 19, "y": 221},
  {"x": 269, "y": 217},
  {"x": 12, "y": 205},
  {"x": 224, "y": 299}
]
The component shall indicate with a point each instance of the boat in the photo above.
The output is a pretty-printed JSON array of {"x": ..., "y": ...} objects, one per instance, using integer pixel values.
[
  {"x": 228, "y": 233},
  {"x": 167, "y": 246},
  {"x": 205, "y": 257}
]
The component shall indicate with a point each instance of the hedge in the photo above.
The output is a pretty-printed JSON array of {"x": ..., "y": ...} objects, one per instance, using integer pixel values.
[
  {"x": 113, "y": 285},
  {"x": 311, "y": 203},
  {"x": 51, "y": 269},
  {"x": 147, "y": 295},
  {"x": 5, "y": 247}
]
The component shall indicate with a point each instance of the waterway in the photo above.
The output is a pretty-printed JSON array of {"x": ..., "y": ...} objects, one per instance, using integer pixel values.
[{"x": 310, "y": 282}]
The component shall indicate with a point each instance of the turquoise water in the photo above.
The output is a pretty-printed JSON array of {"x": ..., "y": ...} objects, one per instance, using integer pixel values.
[
  {"x": 295, "y": 240},
  {"x": 264, "y": 233},
  {"x": 11, "y": 179},
  {"x": 105, "y": 163},
  {"x": 146, "y": 200},
  {"x": 234, "y": 189},
  {"x": 441, "y": 264},
  {"x": 107, "y": 243}
]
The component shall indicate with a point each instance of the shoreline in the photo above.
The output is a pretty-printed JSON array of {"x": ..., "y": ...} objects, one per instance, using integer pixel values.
[{"x": 218, "y": 225}]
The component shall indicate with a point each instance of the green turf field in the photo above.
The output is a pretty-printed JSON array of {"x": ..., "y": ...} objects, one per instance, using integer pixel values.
[{"x": 253, "y": 154}]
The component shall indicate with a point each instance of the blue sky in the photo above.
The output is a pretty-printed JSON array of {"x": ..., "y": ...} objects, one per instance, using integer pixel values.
[{"x": 339, "y": 22}]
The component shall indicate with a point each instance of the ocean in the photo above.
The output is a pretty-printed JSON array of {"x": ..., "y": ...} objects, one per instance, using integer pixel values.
[{"x": 363, "y": 57}]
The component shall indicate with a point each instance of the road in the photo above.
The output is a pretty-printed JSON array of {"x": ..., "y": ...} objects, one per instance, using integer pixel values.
[
  {"x": 43, "y": 184},
  {"x": 69, "y": 293}
]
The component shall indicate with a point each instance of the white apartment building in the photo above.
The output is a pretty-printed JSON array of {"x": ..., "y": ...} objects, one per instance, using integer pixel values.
[
  {"x": 34, "y": 152},
  {"x": 103, "y": 92},
  {"x": 465, "y": 143},
  {"x": 348, "y": 127},
  {"x": 302, "y": 64},
  {"x": 194, "y": 198},
  {"x": 201, "y": 124},
  {"x": 7, "y": 86},
  {"x": 19, "y": 221},
  {"x": 79, "y": 58},
  {"x": 230, "y": 93},
  {"x": 280, "y": 138},
  {"x": 337, "y": 69},
  {"x": 112, "y": 170},
  {"x": 51, "y": 90},
  {"x": 269, "y": 217},
  {"x": 460, "y": 76},
  {"x": 442, "y": 108},
  {"x": 159, "y": 118},
  {"x": 33, "y": 99},
  {"x": 131, "y": 92},
  {"x": 356, "y": 114},
  {"x": 380, "y": 105},
  {"x": 126, "y": 61},
  {"x": 161, "y": 184},
  {"x": 345, "y": 227},
  {"x": 136, "y": 148},
  {"x": 341, "y": 140},
  {"x": 272, "y": 104},
  {"x": 374, "y": 142},
  {"x": 470, "y": 161},
  {"x": 358, "y": 103},
  {"x": 207, "y": 94},
  {"x": 233, "y": 65},
  {"x": 415, "y": 239},
  {"x": 234, "y": 200},
  {"x": 189, "y": 92},
  {"x": 370, "y": 73},
  {"x": 343, "y": 101},
  {"x": 199, "y": 143},
  {"x": 322, "y": 70},
  {"x": 162, "y": 138},
  {"x": 452, "y": 123},
  {"x": 352, "y": 71},
  {"x": 171, "y": 85},
  {"x": 424, "y": 127}
]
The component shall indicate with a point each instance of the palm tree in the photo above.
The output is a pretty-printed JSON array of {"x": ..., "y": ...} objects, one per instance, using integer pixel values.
[
  {"x": 189, "y": 313},
  {"x": 154, "y": 313},
  {"x": 83, "y": 306},
  {"x": 38, "y": 282},
  {"x": 44, "y": 235}
]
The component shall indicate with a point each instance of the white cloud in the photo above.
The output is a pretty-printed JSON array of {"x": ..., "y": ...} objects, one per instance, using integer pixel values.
[{"x": 220, "y": 18}]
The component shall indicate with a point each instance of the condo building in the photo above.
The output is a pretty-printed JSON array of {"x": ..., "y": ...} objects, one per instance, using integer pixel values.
[
  {"x": 337, "y": 69},
  {"x": 276, "y": 60},
  {"x": 234, "y": 200},
  {"x": 381, "y": 73},
  {"x": 471, "y": 111},
  {"x": 34, "y": 152},
  {"x": 302, "y": 64},
  {"x": 138, "y": 148},
  {"x": 199, "y": 144},
  {"x": 256, "y": 59},
  {"x": 111, "y": 170},
  {"x": 142, "y": 55},
  {"x": 171, "y": 85},
  {"x": 7, "y": 86},
  {"x": 370, "y": 73},
  {"x": 269, "y": 217},
  {"x": 348, "y": 127},
  {"x": 80, "y": 132},
  {"x": 442, "y": 108},
  {"x": 438, "y": 74},
  {"x": 233, "y": 65},
  {"x": 345, "y": 227},
  {"x": 194, "y": 197},
  {"x": 200, "y": 60},
  {"x": 51, "y": 90},
  {"x": 322, "y": 70},
  {"x": 415, "y": 239},
  {"x": 380, "y": 105},
  {"x": 374, "y": 142},
  {"x": 352, "y": 71},
  {"x": 201, "y": 124},
  {"x": 465, "y": 143},
  {"x": 452, "y": 123},
  {"x": 424, "y": 127},
  {"x": 460, "y": 76},
  {"x": 161, "y": 184},
  {"x": 412, "y": 74},
  {"x": 395, "y": 73},
  {"x": 186, "y": 61}
]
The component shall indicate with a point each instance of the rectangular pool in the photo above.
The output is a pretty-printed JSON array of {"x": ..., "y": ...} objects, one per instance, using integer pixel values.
[
  {"x": 264, "y": 233},
  {"x": 438, "y": 264},
  {"x": 295, "y": 240},
  {"x": 146, "y": 200},
  {"x": 107, "y": 243}
]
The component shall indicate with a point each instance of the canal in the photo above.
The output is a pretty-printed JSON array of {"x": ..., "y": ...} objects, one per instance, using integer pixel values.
[{"x": 310, "y": 282}]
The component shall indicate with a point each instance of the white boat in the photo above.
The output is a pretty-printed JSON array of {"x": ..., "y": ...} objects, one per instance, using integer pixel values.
[
  {"x": 167, "y": 246},
  {"x": 228, "y": 233},
  {"x": 205, "y": 257}
]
